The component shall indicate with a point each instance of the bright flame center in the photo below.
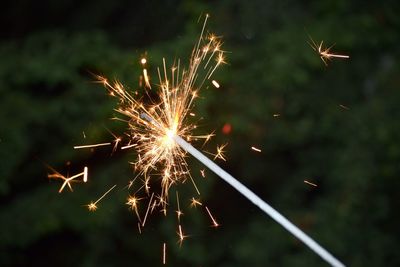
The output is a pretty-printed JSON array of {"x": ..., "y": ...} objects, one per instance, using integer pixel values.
[{"x": 168, "y": 139}]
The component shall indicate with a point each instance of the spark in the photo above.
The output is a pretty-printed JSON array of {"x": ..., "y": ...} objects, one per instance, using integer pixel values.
[
  {"x": 194, "y": 202},
  {"x": 139, "y": 227},
  {"x": 179, "y": 213},
  {"x": 83, "y": 133},
  {"x": 307, "y": 182},
  {"x": 344, "y": 107},
  {"x": 85, "y": 174},
  {"x": 277, "y": 115},
  {"x": 256, "y": 149},
  {"x": 146, "y": 78},
  {"x": 215, "y": 83},
  {"x": 214, "y": 222},
  {"x": 92, "y": 206},
  {"x": 203, "y": 173},
  {"x": 116, "y": 140},
  {"x": 67, "y": 180},
  {"x": 128, "y": 146},
  {"x": 132, "y": 202},
  {"x": 181, "y": 235},
  {"x": 324, "y": 53},
  {"x": 90, "y": 146},
  {"x": 164, "y": 253},
  {"x": 143, "y": 61},
  {"x": 147, "y": 211},
  {"x": 220, "y": 152}
]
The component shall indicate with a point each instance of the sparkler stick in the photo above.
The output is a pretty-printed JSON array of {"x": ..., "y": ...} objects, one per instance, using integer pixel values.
[{"x": 256, "y": 200}]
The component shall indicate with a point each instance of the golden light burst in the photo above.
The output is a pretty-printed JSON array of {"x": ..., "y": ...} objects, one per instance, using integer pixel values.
[
  {"x": 324, "y": 53},
  {"x": 153, "y": 123}
]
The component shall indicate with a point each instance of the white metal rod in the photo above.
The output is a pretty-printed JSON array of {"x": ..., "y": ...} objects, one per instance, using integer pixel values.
[{"x": 256, "y": 200}]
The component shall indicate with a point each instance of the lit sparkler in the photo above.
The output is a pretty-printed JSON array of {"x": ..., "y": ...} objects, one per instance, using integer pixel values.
[
  {"x": 161, "y": 134},
  {"x": 324, "y": 53}
]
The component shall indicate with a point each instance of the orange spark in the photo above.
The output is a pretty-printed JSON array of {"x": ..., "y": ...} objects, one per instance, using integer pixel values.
[
  {"x": 324, "y": 53},
  {"x": 85, "y": 174},
  {"x": 132, "y": 202},
  {"x": 146, "y": 78},
  {"x": 194, "y": 202},
  {"x": 164, "y": 253},
  {"x": 92, "y": 206},
  {"x": 307, "y": 182},
  {"x": 214, "y": 222},
  {"x": 181, "y": 235},
  {"x": 256, "y": 149},
  {"x": 147, "y": 211},
  {"x": 220, "y": 152},
  {"x": 128, "y": 146},
  {"x": 67, "y": 180},
  {"x": 89, "y": 146},
  {"x": 215, "y": 83},
  {"x": 179, "y": 213}
]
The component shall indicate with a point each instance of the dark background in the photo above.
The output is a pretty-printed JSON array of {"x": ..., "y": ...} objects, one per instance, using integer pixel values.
[{"x": 47, "y": 99}]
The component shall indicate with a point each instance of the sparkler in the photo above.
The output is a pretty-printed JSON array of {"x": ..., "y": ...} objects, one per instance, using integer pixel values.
[{"x": 161, "y": 134}]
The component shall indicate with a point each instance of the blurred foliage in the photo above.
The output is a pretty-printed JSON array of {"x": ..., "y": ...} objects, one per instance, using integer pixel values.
[{"x": 48, "y": 55}]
